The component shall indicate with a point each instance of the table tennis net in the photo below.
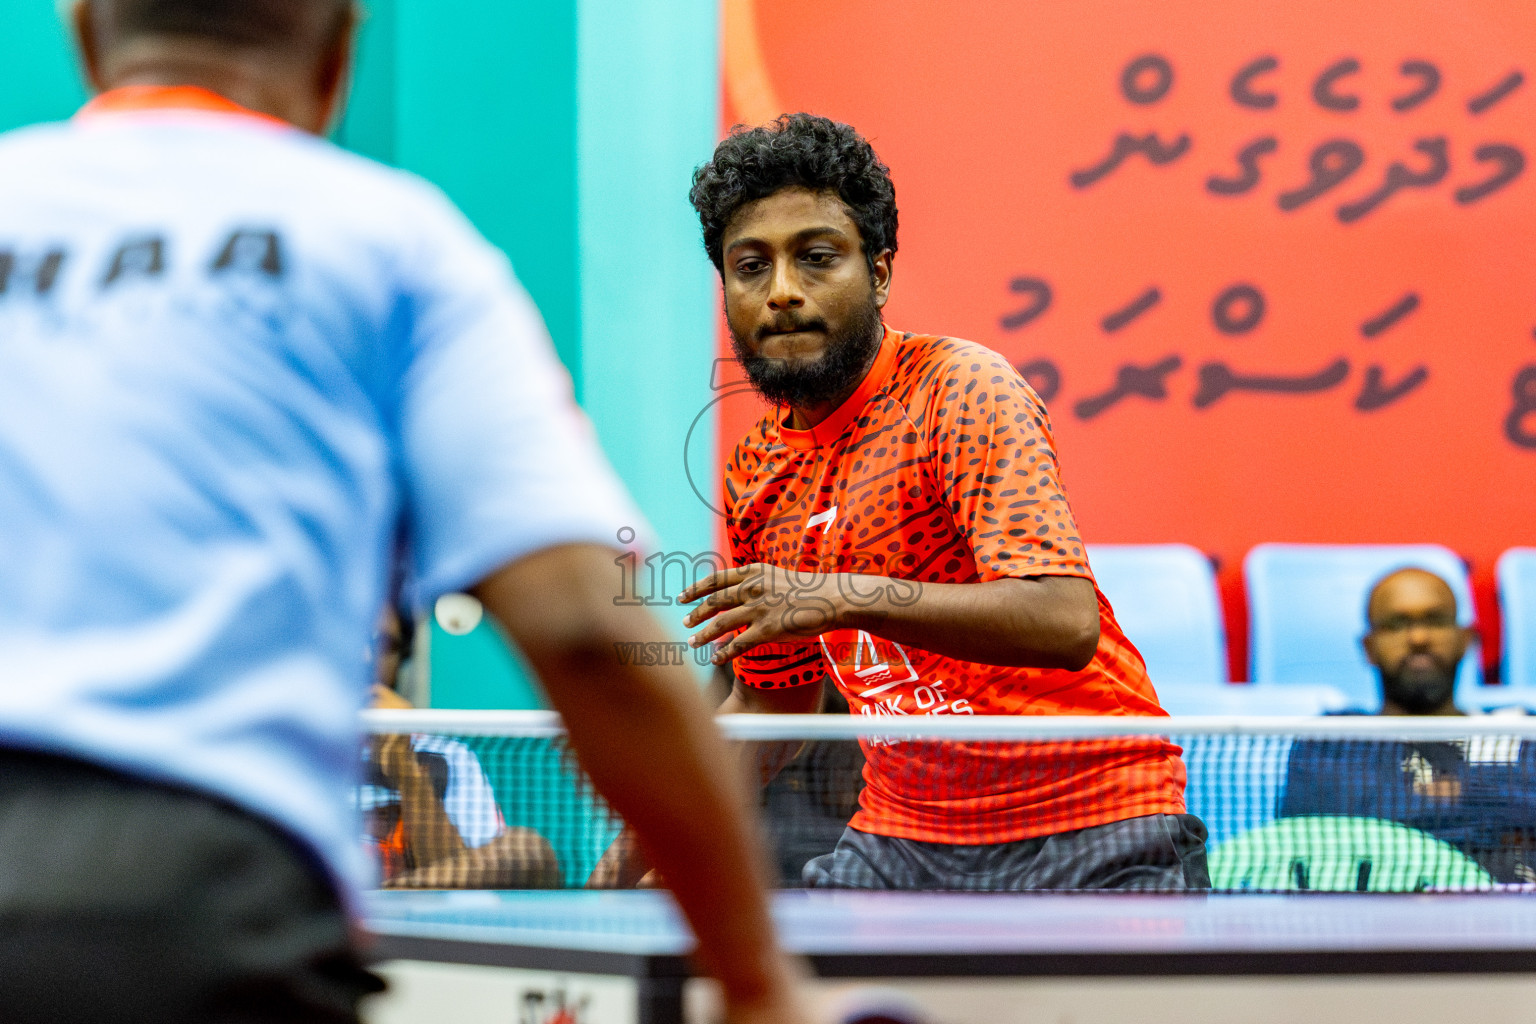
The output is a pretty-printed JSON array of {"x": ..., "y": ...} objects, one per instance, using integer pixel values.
[{"x": 498, "y": 800}]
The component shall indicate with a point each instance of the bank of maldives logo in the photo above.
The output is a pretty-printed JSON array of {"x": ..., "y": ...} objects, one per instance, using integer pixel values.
[{"x": 869, "y": 666}]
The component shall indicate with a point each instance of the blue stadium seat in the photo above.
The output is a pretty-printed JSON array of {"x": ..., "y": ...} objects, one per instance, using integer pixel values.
[
  {"x": 1265, "y": 699},
  {"x": 1488, "y": 700},
  {"x": 1234, "y": 782},
  {"x": 1517, "y": 601},
  {"x": 1165, "y": 599},
  {"x": 1306, "y": 605}
]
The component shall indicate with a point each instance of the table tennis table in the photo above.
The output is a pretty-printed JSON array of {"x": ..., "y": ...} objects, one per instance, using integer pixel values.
[{"x": 620, "y": 957}]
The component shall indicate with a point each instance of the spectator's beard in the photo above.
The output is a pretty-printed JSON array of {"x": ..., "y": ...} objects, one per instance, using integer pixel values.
[
  {"x": 1420, "y": 691},
  {"x": 848, "y": 354}
]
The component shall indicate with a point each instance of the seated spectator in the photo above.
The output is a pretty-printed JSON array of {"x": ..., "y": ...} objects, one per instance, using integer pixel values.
[
  {"x": 1478, "y": 795},
  {"x": 431, "y": 813}
]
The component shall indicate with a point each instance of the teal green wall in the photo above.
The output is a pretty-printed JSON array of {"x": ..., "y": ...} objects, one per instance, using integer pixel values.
[
  {"x": 479, "y": 670},
  {"x": 626, "y": 120},
  {"x": 486, "y": 108},
  {"x": 480, "y": 98},
  {"x": 368, "y": 126},
  {"x": 38, "y": 80},
  {"x": 567, "y": 131},
  {"x": 648, "y": 87}
]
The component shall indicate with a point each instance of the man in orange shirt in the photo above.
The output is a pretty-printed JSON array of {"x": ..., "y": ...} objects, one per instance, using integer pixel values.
[{"x": 898, "y": 522}]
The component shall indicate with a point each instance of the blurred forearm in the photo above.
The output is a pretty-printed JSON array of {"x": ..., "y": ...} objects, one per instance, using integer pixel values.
[
  {"x": 644, "y": 736},
  {"x": 623, "y": 867}
]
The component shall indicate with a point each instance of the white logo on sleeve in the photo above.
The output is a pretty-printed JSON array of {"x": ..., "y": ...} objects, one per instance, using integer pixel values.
[{"x": 822, "y": 519}]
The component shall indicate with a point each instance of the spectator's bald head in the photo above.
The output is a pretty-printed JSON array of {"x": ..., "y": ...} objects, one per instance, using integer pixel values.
[
  {"x": 1418, "y": 587},
  {"x": 284, "y": 57},
  {"x": 1414, "y": 642}
]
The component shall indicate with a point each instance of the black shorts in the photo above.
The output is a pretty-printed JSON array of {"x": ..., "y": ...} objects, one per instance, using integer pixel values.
[
  {"x": 1156, "y": 853},
  {"x": 129, "y": 902}
]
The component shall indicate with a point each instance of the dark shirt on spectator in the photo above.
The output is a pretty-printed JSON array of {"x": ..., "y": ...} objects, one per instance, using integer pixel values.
[{"x": 1478, "y": 795}]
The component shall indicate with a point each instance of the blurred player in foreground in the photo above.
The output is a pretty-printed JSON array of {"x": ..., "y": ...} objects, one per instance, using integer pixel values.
[
  {"x": 899, "y": 523},
  {"x": 233, "y": 360}
]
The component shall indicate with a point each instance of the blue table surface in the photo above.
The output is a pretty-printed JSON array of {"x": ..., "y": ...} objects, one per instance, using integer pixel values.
[{"x": 648, "y": 923}]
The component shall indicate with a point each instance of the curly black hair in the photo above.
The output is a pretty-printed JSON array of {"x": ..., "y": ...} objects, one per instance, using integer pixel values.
[{"x": 797, "y": 150}]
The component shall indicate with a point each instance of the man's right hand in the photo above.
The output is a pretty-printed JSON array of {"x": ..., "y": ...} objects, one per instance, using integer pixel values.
[
  {"x": 790, "y": 1010},
  {"x": 787, "y": 1003}
]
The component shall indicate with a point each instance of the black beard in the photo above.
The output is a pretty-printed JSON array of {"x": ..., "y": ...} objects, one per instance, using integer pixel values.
[
  {"x": 1420, "y": 693},
  {"x": 849, "y": 353}
]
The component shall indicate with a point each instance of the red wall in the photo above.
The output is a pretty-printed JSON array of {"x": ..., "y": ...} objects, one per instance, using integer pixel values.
[{"x": 1235, "y": 426}]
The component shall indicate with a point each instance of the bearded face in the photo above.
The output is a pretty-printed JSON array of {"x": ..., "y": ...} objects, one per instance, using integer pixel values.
[
  {"x": 849, "y": 350},
  {"x": 1415, "y": 642},
  {"x": 802, "y": 298},
  {"x": 1420, "y": 685}
]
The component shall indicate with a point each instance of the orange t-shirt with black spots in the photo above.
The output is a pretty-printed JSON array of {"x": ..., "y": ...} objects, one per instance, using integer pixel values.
[{"x": 940, "y": 468}]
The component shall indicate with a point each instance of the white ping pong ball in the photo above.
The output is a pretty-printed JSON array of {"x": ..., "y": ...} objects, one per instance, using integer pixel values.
[{"x": 458, "y": 613}]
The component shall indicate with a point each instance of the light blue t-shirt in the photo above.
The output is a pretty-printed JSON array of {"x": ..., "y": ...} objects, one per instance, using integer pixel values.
[{"x": 234, "y": 361}]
